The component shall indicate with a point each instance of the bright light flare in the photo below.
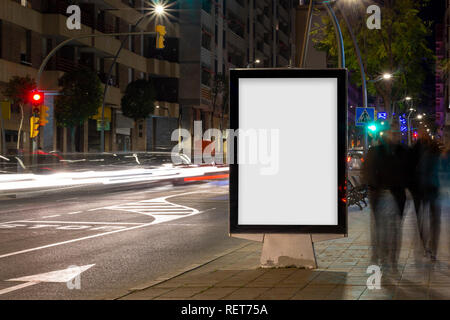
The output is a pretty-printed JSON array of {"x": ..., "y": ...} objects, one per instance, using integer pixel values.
[
  {"x": 159, "y": 9},
  {"x": 387, "y": 76}
]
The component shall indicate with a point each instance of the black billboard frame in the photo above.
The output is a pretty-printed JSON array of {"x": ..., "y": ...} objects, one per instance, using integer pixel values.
[{"x": 341, "y": 136}]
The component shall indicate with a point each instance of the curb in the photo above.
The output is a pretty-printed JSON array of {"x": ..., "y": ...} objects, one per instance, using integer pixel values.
[{"x": 180, "y": 272}]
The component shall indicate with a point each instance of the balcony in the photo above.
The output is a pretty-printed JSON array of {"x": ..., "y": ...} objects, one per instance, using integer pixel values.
[
  {"x": 206, "y": 19},
  {"x": 267, "y": 50},
  {"x": 206, "y": 56},
  {"x": 235, "y": 40},
  {"x": 283, "y": 13},
  {"x": 237, "y": 8},
  {"x": 283, "y": 37}
]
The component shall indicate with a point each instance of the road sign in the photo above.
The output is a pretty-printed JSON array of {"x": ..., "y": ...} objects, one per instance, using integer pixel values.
[
  {"x": 382, "y": 115},
  {"x": 364, "y": 116},
  {"x": 61, "y": 276}
]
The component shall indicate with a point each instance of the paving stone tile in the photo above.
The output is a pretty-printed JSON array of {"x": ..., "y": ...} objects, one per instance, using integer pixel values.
[
  {"x": 246, "y": 293},
  {"x": 183, "y": 293},
  {"x": 214, "y": 293},
  {"x": 146, "y": 294}
]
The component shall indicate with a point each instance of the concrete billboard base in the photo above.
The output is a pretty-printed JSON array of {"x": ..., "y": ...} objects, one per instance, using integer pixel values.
[{"x": 288, "y": 250}]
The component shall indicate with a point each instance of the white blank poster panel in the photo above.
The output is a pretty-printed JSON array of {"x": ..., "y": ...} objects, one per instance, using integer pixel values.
[{"x": 304, "y": 190}]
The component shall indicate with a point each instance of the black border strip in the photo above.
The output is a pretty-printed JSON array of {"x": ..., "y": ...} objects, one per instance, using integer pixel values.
[{"x": 341, "y": 136}]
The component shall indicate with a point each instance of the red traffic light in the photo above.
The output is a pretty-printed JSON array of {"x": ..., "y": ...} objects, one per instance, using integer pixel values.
[{"x": 37, "y": 98}]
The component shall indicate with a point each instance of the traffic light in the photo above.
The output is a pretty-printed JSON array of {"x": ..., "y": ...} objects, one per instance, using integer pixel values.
[
  {"x": 36, "y": 98},
  {"x": 372, "y": 127},
  {"x": 34, "y": 127},
  {"x": 160, "y": 33},
  {"x": 43, "y": 115}
]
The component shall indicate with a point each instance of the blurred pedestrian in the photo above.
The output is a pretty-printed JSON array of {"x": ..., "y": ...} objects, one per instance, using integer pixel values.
[
  {"x": 424, "y": 187},
  {"x": 385, "y": 174}
]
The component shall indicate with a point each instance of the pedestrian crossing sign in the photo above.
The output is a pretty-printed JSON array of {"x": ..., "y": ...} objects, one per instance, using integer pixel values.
[{"x": 364, "y": 115}]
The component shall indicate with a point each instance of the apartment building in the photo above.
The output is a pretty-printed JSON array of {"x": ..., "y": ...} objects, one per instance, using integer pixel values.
[
  {"x": 30, "y": 29},
  {"x": 223, "y": 34},
  {"x": 446, "y": 77}
]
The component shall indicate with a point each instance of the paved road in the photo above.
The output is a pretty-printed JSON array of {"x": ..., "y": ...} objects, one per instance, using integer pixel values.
[{"x": 130, "y": 237}]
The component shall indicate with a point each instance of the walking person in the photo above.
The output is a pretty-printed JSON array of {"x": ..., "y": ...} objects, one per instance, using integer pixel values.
[
  {"x": 425, "y": 157},
  {"x": 385, "y": 174}
]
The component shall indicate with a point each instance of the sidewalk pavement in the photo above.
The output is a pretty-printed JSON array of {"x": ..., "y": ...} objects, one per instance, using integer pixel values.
[{"x": 236, "y": 275}]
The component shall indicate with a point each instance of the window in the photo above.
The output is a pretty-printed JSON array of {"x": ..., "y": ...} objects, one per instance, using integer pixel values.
[
  {"x": 206, "y": 77},
  {"x": 206, "y": 40},
  {"x": 130, "y": 75},
  {"x": 25, "y": 48},
  {"x": 131, "y": 43},
  {"x": 206, "y": 6},
  {"x": 11, "y": 135},
  {"x": 1, "y": 37},
  {"x": 216, "y": 34}
]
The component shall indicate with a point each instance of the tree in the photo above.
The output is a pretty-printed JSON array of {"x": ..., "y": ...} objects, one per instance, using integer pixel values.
[
  {"x": 399, "y": 47},
  {"x": 18, "y": 91},
  {"x": 138, "y": 101},
  {"x": 220, "y": 91},
  {"x": 81, "y": 96}
]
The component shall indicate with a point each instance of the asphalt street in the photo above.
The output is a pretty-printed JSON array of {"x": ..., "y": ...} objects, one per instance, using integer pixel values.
[{"x": 120, "y": 238}]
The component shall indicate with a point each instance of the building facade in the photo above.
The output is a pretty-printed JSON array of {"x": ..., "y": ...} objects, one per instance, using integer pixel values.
[
  {"x": 220, "y": 35},
  {"x": 446, "y": 78},
  {"x": 30, "y": 29}
]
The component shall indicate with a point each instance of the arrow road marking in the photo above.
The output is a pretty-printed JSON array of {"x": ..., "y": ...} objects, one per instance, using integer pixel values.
[{"x": 59, "y": 276}]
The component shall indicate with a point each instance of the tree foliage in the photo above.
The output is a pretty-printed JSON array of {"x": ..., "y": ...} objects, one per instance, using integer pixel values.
[
  {"x": 399, "y": 47},
  {"x": 81, "y": 96},
  {"x": 18, "y": 89},
  {"x": 138, "y": 101}
]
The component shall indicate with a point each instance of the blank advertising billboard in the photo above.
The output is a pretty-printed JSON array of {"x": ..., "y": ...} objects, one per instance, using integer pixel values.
[{"x": 287, "y": 150}]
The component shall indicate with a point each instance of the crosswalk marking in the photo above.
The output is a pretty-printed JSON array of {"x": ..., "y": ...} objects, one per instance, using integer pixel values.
[{"x": 160, "y": 209}]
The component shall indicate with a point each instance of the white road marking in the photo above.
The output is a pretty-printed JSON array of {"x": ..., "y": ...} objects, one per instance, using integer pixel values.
[
  {"x": 73, "y": 240},
  {"x": 75, "y": 212},
  {"x": 19, "y": 286},
  {"x": 56, "y": 215},
  {"x": 86, "y": 222},
  {"x": 157, "y": 220},
  {"x": 66, "y": 199},
  {"x": 6, "y": 222},
  {"x": 59, "y": 276}
]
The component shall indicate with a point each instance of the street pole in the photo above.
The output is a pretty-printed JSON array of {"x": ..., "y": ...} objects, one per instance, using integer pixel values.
[
  {"x": 338, "y": 31},
  {"x": 102, "y": 127},
  {"x": 3, "y": 132},
  {"x": 306, "y": 36},
  {"x": 409, "y": 127}
]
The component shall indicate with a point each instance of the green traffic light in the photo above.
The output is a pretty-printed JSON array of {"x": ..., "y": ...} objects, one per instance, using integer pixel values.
[{"x": 372, "y": 128}]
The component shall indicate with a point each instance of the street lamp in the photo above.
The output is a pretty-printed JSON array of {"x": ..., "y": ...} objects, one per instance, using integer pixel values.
[
  {"x": 159, "y": 9},
  {"x": 388, "y": 76},
  {"x": 257, "y": 61}
]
